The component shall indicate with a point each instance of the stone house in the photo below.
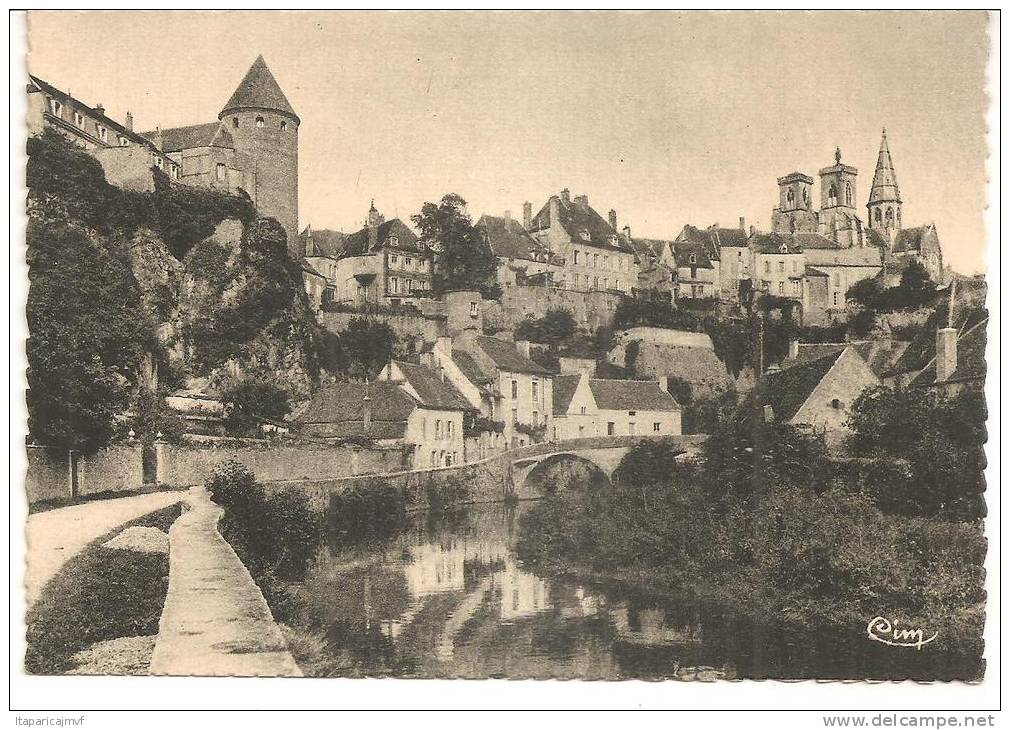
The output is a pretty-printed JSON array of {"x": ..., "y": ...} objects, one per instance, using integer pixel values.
[
  {"x": 818, "y": 394},
  {"x": 841, "y": 267},
  {"x": 521, "y": 258},
  {"x": 596, "y": 257},
  {"x": 575, "y": 411},
  {"x": 778, "y": 265},
  {"x": 695, "y": 255},
  {"x": 635, "y": 408}
]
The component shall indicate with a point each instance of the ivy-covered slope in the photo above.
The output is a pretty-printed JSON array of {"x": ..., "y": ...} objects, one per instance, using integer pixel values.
[{"x": 188, "y": 277}]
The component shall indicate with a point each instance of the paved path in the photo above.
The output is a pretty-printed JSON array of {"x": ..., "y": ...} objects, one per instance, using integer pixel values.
[
  {"x": 59, "y": 534},
  {"x": 215, "y": 621}
]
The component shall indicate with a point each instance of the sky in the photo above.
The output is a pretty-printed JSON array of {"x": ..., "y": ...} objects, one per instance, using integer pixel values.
[{"x": 668, "y": 118}]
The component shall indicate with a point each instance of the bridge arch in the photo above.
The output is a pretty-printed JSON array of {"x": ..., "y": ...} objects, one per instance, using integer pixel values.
[{"x": 533, "y": 479}]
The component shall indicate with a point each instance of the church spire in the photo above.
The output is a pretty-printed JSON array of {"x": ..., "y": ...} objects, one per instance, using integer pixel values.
[{"x": 884, "y": 205}]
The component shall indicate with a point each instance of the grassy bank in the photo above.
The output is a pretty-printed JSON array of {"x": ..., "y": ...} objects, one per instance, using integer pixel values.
[{"x": 98, "y": 595}]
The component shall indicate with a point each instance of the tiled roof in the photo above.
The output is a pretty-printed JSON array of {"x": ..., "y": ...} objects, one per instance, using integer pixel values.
[
  {"x": 875, "y": 238},
  {"x": 812, "y": 271},
  {"x": 111, "y": 124},
  {"x": 772, "y": 243},
  {"x": 212, "y": 134},
  {"x": 343, "y": 402},
  {"x": 469, "y": 367},
  {"x": 508, "y": 239},
  {"x": 505, "y": 356},
  {"x": 575, "y": 219},
  {"x": 647, "y": 249},
  {"x": 879, "y": 355},
  {"x": 563, "y": 392},
  {"x": 786, "y": 391},
  {"x": 692, "y": 238},
  {"x": 909, "y": 239},
  {"x": 816, "y": 240},
  {"x": 433, "y": 392},
  {"x": 356, "y": 244},
  {"x": 322, "y": 242},
  {"x": 970, "y": 358},
  {"x": 631, "y": 395},
  {"x": 735, "y": 237},
  {"x": 259, "y": 90},
  {"x": 308, "y": 268}
]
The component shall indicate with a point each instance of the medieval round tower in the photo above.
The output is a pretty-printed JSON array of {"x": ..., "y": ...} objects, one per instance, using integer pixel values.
[{"x": 264, "y": 128}]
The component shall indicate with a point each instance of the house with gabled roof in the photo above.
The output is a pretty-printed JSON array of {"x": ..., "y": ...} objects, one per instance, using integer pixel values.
[
  {"x": 522, "y": 259},
  {"x": 817, "y": 394},
  {"x": 575, "y": 411},
  {"x": 596, "y": 257},
  {"x": 585, "y": 407},
  {"x": 695, "y": 255}
]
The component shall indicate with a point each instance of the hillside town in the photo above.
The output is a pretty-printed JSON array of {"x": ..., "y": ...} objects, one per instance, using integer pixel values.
[
  {"x": 503, "y": 382},
  {"x": 464, "y": 377}
]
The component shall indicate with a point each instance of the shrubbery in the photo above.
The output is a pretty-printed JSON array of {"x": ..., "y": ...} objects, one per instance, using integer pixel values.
[{"x": 276, "y": 534}]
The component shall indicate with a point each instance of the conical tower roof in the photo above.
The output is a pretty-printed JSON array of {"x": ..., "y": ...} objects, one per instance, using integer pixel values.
[
  {"x": 259, "y": 90},
  {"x": 885, "y": 182}
]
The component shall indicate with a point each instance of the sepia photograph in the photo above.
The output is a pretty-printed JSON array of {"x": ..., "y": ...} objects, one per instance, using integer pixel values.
[{"x": 582, "y": 345}]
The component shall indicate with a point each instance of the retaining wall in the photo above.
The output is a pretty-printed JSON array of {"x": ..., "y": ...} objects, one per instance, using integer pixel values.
[{"x": 51, "y": 477}]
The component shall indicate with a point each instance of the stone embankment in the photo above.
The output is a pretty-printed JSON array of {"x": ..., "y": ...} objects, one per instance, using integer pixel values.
[{"x": 215, "y": 621}]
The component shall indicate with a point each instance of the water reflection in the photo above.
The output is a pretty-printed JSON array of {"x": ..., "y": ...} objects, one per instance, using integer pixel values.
[{"x": 446, "y": 597}]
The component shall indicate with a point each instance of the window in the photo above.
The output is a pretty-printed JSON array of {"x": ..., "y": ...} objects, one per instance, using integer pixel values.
[
  {"x": 234, "y": 122},
  {"x": 259, "y": 122},
  {"x": 838, "y": 279},
  {"x": 796, "y": 266},
  {"x": 796, "y": 287},
  {"x": 832, "y": 194},
  {"x": 535, "y": 390},
  {"x": 596, "y": 260},
  {"x": 692, "y": 259},
  {"x": 606, "y": 261},
  {"x": 392, "y": 241},
  {"x": 220, "y": 171},
  {"x": 408, "y": 262},
  {"x": 515, "y": 416},
  {"x": 56, "y": 107},
  {"x": 124, "y": 142},
  {"x": 782, "y": 287},
  {"x": 606, "y": 283},
  {"x": 394, "y": 285},
  {"x": 631, "y": 428},
  {"x": 632, "y": 413},
  {"x": 848, "y": 194},
  {"x": 515, "y": 389},
  {"x": 103, "y": 133},
  {"x": 836, "y": 404},
  {"x": 655, "y": 427},
  {"x": 789, "y": 195},
  {"x": 434, "y": 458},
  {"x": 438, "y": 428},
  {"x": 284, "y": 126},
  {"x": 585, "y": 235},
  {"x": 768, "y": 267},
  {"x": 393, "y": 260},
  {"x": 575, "y": 256},
  {"x": 782, "y": 266},
  {"x": 79, "y": 120},
  {"x": 610, "y": 428},
  {"x": 448, "y": 425},
  {"x": 582, "y": 410},
  {"x": 408, "y": 285},
  {"x": 536, "y": 418},
  {"x": 587, "y": 281},
  {"x": 474, "y": 311},
  {"x": 834, "y": 299},
  {"x": 176, "y": 172},
  {"x": 158, "y": 162},
  {"x": 876, "y": 214}
]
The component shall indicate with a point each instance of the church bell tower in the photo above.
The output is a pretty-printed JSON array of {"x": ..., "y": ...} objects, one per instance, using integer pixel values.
[{"x": 884, "y": 207}]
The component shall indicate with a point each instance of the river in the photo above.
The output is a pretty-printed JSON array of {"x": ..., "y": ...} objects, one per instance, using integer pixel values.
[{"x": 446, "y": 596}]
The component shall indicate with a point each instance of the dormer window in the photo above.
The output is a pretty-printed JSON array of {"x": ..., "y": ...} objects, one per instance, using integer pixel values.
[
  {"x": 234, "y": 122},
  {"x": 693, "y": 259},
  {"x": 585, "y": 235},
  {"x": 56, "y": 107},
  {"x": 613, "y": 239},
  {"x": 392, "y": 241},
  {"x": 124, "y": 142},
  {"x": 176, "y": 172},
  {"x": 284, "y": 126},
  {"x": 158, "y": 163},
  {"x": 473, "y": 309},
  {"x": 103, "y": 133},
  {"x": 259, "y": 122},
  {"x": 220, "y": 171},
  {"x": 784, "y": 249},
  {"x": 79, "y": 119}
]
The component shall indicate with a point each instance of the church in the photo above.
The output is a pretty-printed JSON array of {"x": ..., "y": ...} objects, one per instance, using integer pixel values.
[{"x": 837, "y": 218}]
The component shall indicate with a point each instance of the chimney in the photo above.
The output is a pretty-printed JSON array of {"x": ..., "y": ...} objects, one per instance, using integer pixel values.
[
  {"x": 582, "y": 200},
  {"x": 444, "y": 345},
  {"x": 527, "y": 215},
  {"x": 946, "y": 353},
  {"x": 129, "y": 121},
  {"x": 794, "y": 348},
  {"x": 753, "y": 230},
  {"x": 555, "y": 213},
  {"x": 612, "y": 218},
  {"x": 524, "y": 347},
  {"x": 664, "y": 383},
  {"x": 508, "y": 215},
  {"x": 566, "y": 196},
  {"x": 743, "y": 224},
  {"x": 627, "y": 232},
  {"x": 99, "y": 109}
]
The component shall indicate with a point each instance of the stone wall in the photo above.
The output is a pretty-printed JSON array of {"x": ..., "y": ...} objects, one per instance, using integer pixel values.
[
  {"x": 115, "y": 469},
  {"x": 417, "y": 327},
  {"x": 489, "y": 480},
  {"x": 591, "y": 309},
  {"x": 181, "y": 465}
]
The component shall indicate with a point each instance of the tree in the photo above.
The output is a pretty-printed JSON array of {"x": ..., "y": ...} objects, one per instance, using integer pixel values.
[
  {"x": 252, "y": 401},
  {"x": 555, "y": 327},
  {"x": 915, "y": 289},
  {"x": 87, "y": 335},
  {"x": 463, "y": 259},
  {"x": 365, "y": 347},
  {"x": 866, "y": 293}
]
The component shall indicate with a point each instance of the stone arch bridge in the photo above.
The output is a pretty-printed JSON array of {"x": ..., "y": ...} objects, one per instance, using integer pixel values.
[{"x": 603, "y": 453}]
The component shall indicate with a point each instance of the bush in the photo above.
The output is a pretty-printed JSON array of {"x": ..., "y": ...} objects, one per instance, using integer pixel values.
[
  {"x": 251, "y": 402},
  {"x": 276, "y": 535},
  {"x": 555, "y": 327}
]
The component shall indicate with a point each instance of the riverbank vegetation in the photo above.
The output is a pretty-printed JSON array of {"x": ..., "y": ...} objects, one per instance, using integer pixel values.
[
  {"x": 766, "y": 522},
  {"x": 99, "y": 595}
]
